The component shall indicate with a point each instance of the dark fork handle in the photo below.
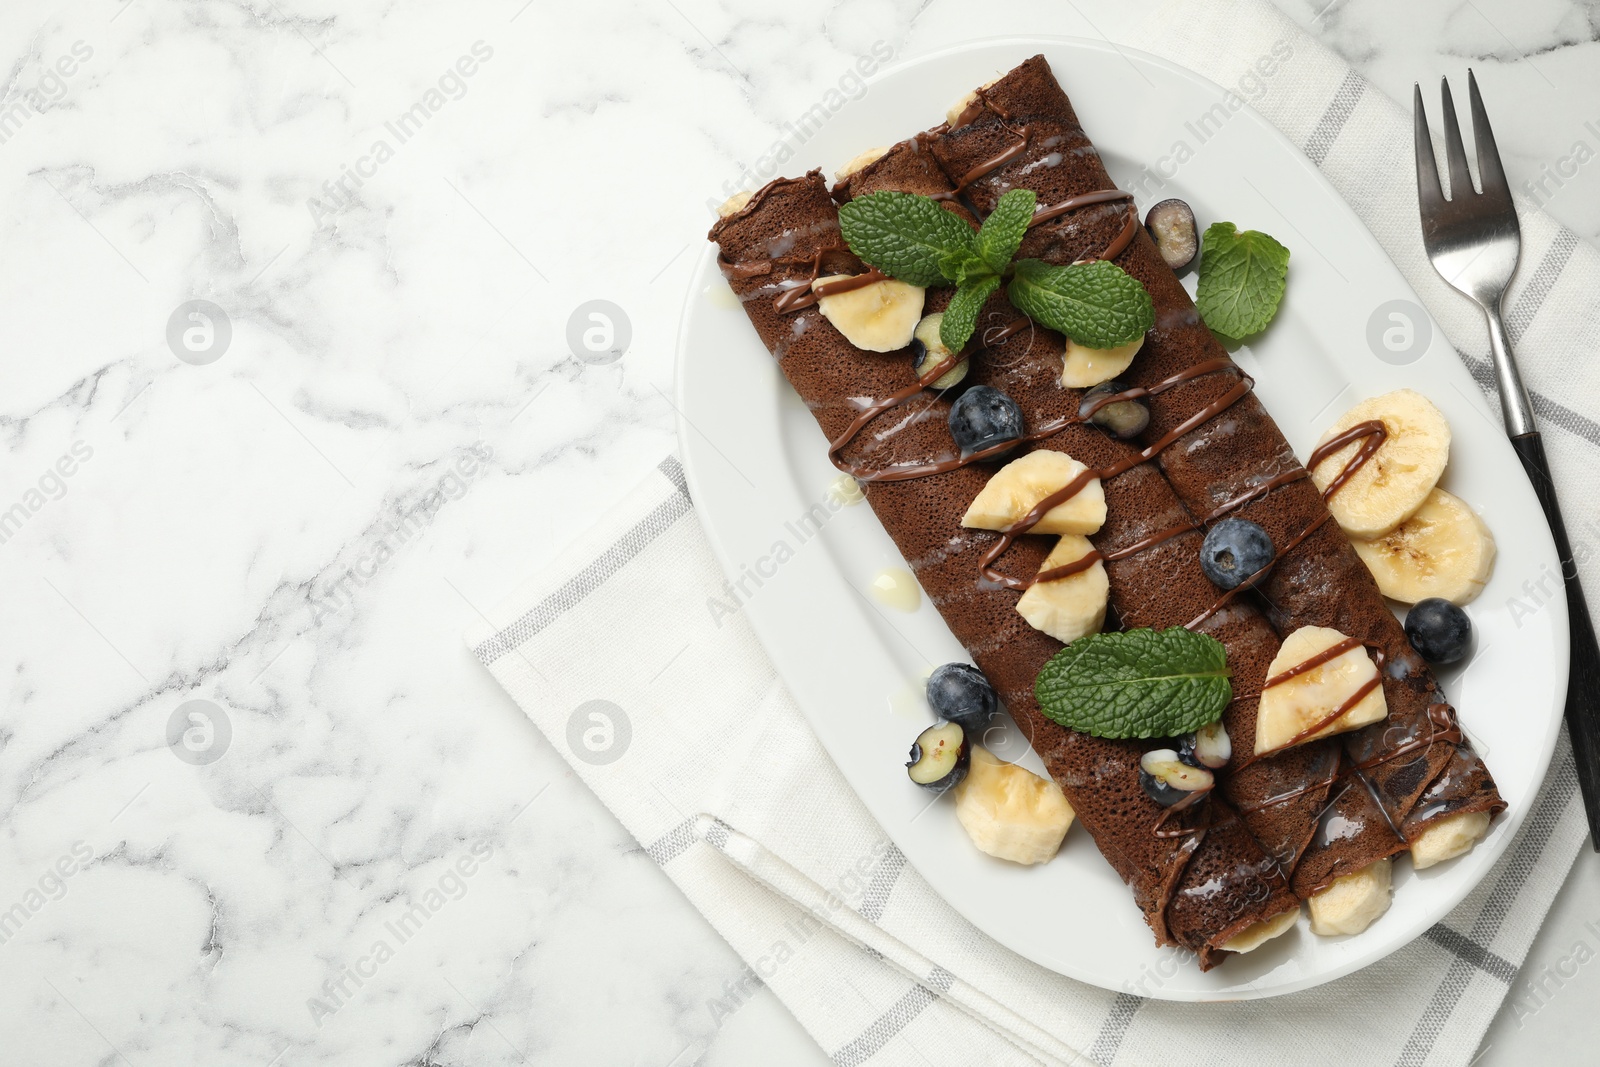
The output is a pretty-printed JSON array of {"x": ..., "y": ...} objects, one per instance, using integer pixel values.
[{"x": 1583, "y": 684}]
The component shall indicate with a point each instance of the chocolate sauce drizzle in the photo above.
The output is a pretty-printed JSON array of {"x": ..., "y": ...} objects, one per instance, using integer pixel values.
[
  {"x": 813, "y": 291},
  {"x": 1009, "y": 535},
  {"x": 906, "y": 472},
  {"x": 1442, "y": 729},
  {"x": 1305, "y": 666},
  {"x": 1442, "y": 725},
  {"x": 1371, "y": 435}
]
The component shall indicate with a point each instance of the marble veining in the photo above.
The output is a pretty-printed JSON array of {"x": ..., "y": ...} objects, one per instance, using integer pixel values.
[{"x": 286, "y": 502}]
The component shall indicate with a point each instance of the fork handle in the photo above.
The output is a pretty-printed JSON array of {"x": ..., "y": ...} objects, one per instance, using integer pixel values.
[
  {"x": 1583, "y": 684},
  {"x": 1515, "y": 407}
]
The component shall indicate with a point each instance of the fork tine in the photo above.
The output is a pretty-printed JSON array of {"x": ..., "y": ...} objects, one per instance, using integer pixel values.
[
  {"x": 1490, "y": 172},
  {"x": 1454, "y": 151},
  {"x": 1429, "y": 195}
]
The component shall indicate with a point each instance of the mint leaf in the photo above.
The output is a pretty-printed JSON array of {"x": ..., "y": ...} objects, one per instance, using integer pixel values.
[
  {"x": 1141, "y": 683},
  {"x": 906, "y": 236},
  {"x": 1241, "y": 279},
  {"x": 1002, "y": 232},
  {"x": 961, "y": 317},
  {"x": 1098, "y": 304},
  {"x": 962, "y": 267}
]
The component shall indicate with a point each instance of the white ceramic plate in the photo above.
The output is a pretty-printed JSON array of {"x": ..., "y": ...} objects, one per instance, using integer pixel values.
[{"x": 756, "y": 464}]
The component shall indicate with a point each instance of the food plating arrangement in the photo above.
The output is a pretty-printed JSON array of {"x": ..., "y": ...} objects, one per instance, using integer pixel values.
[{"x": 1190, "y": 625}]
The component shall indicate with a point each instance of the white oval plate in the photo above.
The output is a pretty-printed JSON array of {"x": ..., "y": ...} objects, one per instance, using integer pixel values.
[{"x": 757, "y": 468}]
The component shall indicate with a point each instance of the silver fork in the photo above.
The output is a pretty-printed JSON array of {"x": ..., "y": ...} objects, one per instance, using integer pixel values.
[{"x": 1474, "y": 242}]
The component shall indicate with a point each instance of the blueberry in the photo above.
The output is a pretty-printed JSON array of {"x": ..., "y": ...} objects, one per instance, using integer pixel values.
[
  {"x": 939, "y": 757},
  {"x": 1168, "y": 780},
  {"x": 983, "y": 417},
  {"x": 959, "y": 692},
  {"x": 1439, "y": 630},
  {"x": 1233, "y": 551},
  {"x": 1120, "y": 418}
]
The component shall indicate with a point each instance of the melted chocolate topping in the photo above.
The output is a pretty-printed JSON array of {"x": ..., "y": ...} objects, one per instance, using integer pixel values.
[
  {"x": 804, "y": 296},
  {"x": 1371, "y": 435}
]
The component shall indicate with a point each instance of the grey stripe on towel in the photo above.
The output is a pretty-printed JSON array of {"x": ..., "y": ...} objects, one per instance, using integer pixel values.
[
  {"x": 891, "y": 1022},
  {"x": 1529, "y": 846},
  {"x": 595, "y": 574},
  {"x": 1333, "y": 119},
  {"x": 1548, "y": 410},
  {"x": 1472, "y": 952},
  {"x": 1115, "y": 1028},
  {"x": 1533, "y": 295},
  {"x": 876, "y": 898},
  {"x": 672, "y": 844}
]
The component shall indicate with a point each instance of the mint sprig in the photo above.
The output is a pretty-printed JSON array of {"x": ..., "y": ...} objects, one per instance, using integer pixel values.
[
  {"x": 1138, "y": 683},
  {"x": 914, "y": 239},
  {"x": 1241, "y": 283},
  {"x": 1097, "y": 304}
]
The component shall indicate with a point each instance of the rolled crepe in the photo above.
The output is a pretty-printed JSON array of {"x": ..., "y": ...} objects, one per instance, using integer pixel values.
[
  {"x": 1390, "y": 766},
  {"x": 1281, "y": 797},
  {"x": 1195, "y": 890}
]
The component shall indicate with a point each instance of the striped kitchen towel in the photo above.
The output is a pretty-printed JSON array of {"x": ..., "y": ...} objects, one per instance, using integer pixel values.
[{"x": 672, "y": 713}]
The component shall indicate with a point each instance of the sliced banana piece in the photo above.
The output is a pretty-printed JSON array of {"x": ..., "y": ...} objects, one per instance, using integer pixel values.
[
  {"x": 1442, "y": 550},
  {"x": 861, "y": 162},
  {"x": 1072, "y": 607},
  {"x": 1448, "y": 838},
  {"x": 1257, "y": 934},
  {"x": 1015, "y": 489},
  {"x": 1083, "y": 368},
  {"x": 928, "y": 351},
  {"x": 953, "y": 116},
  {"x": 1385, "y": 490},
  {"x": 734, "y": 204},
  {"x": 880, "y": 317},
  {"x": 1294, "y": 705},
  {"x": 1010, "y": 812},
  {"x": 1352, "y": 903}
]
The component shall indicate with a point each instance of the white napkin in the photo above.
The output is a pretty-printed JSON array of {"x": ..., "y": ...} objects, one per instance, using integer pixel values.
[{"x": 674, "y": 717}]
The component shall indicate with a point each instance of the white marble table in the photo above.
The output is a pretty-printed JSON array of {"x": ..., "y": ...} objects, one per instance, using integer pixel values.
[{"x": 289, "y": 508}]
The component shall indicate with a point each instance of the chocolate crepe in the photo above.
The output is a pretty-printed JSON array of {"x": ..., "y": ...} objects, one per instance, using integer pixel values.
[
  {"x": 1280, "y": 797},
  {"x": 1417, "y": 753},
  {"x": 1196, "y": 890}
]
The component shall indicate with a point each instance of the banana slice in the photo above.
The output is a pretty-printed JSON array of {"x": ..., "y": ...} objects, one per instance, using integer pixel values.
[
  {"x": 1010, "y": 812},
  {"x": 734, "y": 204},
  {"x": 1448, "y": 838},
  {"x": 1354, "y": 902},
  {"x": 861, "y": 162},
  {"x": 880, "y": 317},
  {"x": 1257, "y": 934},
  {"x": 1296, "y": 704},
  {"x": 1443, "y": 550},
  {"x": 1068, "y": 608},
  {"x": 1014, "y": 490},
  {"x": 953, "y": 116},
  {"x": 1082, "y": 368},
  {"x": 1393, "y": 483}
]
